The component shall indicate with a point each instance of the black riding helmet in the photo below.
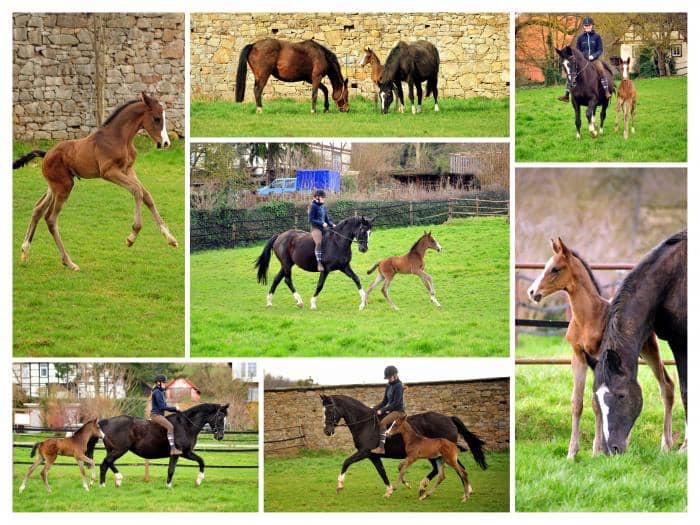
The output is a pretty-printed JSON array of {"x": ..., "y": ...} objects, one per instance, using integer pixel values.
[
  {"x": 320, "y": 193},
  {"x": 588, "y": 21},
  {"x": 390, "y": 371},
  {"x": 161, "y": 378}
]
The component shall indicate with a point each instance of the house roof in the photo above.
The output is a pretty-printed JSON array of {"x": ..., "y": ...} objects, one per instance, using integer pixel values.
[{"x": 186, "y": 380}]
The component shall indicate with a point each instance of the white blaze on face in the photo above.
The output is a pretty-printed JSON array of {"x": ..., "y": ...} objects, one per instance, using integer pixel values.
[
  {"x": 164, "y": 133},
  {"x": 439, "y": 246},
  {"x": 382, "y": 96},
  {"x": 538, "y": 282},
  {"x": 567, "y": 67},
  {"x": 604, "y": 409},
  {"x": 364, "y": 59}
]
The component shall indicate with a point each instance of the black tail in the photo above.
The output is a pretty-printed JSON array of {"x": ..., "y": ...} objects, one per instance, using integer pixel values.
[
  {"x": 372, "y": 268},
  {"x": 33, "y": 452},
  {"x": 29, "y": 156},
  {"x": 262, "y": 263},
  {"x": 242, "y": 71},
  {"x": 475, "y": 444}
]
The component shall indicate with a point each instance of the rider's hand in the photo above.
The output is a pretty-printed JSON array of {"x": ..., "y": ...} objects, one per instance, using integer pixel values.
[
  {"x": 325, "y": 225},
  {"x": 379, "y": 412},
  {"x": 590, "y": 57}
]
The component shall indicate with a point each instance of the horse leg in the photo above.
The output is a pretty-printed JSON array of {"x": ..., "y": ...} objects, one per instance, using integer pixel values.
[
  {"x": 189, "y": 454},
  {"x": 324, "y": 90},
  {"x": 275, "y": 282},
  {"x": 590, "y": 115},
  {"x": 578, "y": 368},
  {"x": 428, "y": 282},
  {"x": 39, "y": 460},
  {"x": 619, "y": 105},
  {"x": 363, "y": 295},
  {"x": 399, "y": 95},
  {"x": 377, "y": 462},
  {"x": 151, "y": 205},
  {"x": 171, "y": 470},
  {"x": 60, "y": 191},
  {"x": 108, "y": 463},
  {"x": 319, "y": 287},
  {"x": 357, "y": 456},
  {"x": 372, "y": 286},
  {"x": 603, "y": 115},
  {"x": 427, "y": 479},
  {"x": 39, "y": 209},
  {"x": 45, "y": 471},
  {"x": 258, "y": 87},
  {"x": 680, "y": 354},
  {"x": 434, "y": 88},
  {"x": 440, "y": 479},
  {"x": 650, "y": 352},
  {"x": 411, "y": 96},
  {"x": 577, "y": 114},
  {"x": 315, "y": 83},
  {"x": 385, "y": 292},
  {"x": 419, "y": 93}
]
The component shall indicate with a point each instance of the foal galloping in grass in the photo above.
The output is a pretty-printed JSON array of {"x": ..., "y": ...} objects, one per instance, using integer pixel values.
[
  {"x": 75, "y": 446},
  {"x": 421, "y": 447},
  {"x": 626, "y": 100},
  {"x": 107, "y": 153},
  {"x": 412, "y": 262}
]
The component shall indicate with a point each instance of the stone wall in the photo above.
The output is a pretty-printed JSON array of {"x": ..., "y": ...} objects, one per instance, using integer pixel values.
[
  {"x": 65, "y": 66},
  {"x": 474, "y": 49},
  {"x": 483, "y": 406}
]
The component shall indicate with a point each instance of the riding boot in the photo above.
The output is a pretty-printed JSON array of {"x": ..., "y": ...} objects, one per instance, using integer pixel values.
[
  {"x": 564, "y": 97},
  {"x": 174, "y": 451},
  {"x": 380, "y": 449},
  {"x": 319, "y": 260},
  {"x": 604, "y": 83}
]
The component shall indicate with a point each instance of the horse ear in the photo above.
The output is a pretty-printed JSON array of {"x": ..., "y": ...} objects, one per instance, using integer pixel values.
[
  {"x": 226, "y": 406},
  {"x": 560, "y": 52},
  {"x": 564, "y": 250},
  {"x": 323, "y": 398},
  {"x": 146, "y": 99},
  {"x": 592, "y": 361}
]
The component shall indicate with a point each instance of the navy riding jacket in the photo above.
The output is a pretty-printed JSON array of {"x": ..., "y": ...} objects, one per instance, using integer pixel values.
[
  {"x": 393, "y": 398},
  {"x": 318, "y": 214},
  {"x": 158, "y": 404},
  {"x": 590, "y": 44}
]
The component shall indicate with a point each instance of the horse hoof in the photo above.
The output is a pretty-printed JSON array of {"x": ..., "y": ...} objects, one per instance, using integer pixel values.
[
  {"x": 326, "y": 110},
  {"x": 72, "y": 266},
  {"x": 24, "y": 257},
  {"x": 173, "y": 243},
  {"x": 129, "y": 242},
  {"x": 338, "y": 489},
  {"x": 421, "y": 498},
  {"x": 258, "y": 110}
]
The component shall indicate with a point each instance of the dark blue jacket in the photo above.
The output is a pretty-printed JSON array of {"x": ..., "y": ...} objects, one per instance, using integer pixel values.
[
  {"x": 590, "y": 44},
  {"x": 158, "y": 404},
  {"x": 318, "y": 214},
  {"x": 393, "y": 398}
]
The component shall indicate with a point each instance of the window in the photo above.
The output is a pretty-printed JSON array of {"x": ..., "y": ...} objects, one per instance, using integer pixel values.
[
  {"x": 43, "y": 370},
  {"x": 676, "y": 50},
  {"x": 252, "y": 393},
  {"x": 252, "y": 370}
]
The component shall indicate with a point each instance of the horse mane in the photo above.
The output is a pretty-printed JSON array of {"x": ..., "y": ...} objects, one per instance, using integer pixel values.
[
  {"x": 118, "y": 110},
  {"x": 392, "y": 61},
  {"x": 199, "y": 408},
  {"x": 334, "y": 72},
  {"x": 80, "y": 431},
  {"x": 590, "y": 272},
  {"x": 415, "y": 244},
  {"x": 351, "y": 401}
]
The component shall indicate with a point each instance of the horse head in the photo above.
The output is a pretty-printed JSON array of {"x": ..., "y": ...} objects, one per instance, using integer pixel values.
[
  {"x": 618, "y": 397},
  {"x": 331, "y": 416},
  {"x": 432, "y": 242},
  {"x": 567, "y": 60},
  {"x": 341, "y": 96},
  {"x": 217, "y": 421},
  {"x": 362, "y": 232},
  {"x": 397, "y": 426},
  {"x": 626, "y": 68},
  {"x": 93, "y": 430},
  {"x": 386, "y": 93},
  {"x": 153, "y": 121},
  {"x": 556, "y": 274}
]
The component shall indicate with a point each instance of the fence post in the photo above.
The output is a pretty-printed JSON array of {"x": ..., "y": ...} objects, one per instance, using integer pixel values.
[
  {"x": 449, "y": 209},
  {"x": 477, "y": 205},
  {"x": 410, "y": 213}
]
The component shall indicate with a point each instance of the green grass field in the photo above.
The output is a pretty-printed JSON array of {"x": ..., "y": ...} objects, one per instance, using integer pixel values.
[
  {"x": 307, "y": 484},
  {"x": 123, "y": 301},
  {"x": 642, "y": 480},
  {"x": 545, "y": 129},
  {"x": 223, "y": 490},
  {"x": 474, "y": 117},
  {"x": 470, "y": 275}
]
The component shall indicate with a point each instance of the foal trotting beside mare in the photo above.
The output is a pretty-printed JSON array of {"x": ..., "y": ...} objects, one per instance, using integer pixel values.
[
  {"x": 420, "y": 447},
  {"x": 75, "y": 446},
  {"x": 412, "y": 262},
  {"x": 626, "y": 100},
  {"x": 107, "y": 153},
  {"x": 567, "y": 271}
]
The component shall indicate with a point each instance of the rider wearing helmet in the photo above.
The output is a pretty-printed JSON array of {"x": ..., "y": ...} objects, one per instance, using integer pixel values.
[
  {"x": 591, "y": 45},
  {"x": 391, "y": 407},
  {"x": 319, "y": 219},
  {"x": 158, "y": 409}
]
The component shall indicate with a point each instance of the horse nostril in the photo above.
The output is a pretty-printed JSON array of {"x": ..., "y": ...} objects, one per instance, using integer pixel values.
[{"x": 615, "y": 449}]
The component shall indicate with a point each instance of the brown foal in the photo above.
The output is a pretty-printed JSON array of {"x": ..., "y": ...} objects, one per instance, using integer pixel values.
[
  {"x": 420, "y": 447},
  {"x": 412, "y": 262},
  {"x": 371, "y": 58},
  {"x": 107, "y": 153},
  {"x": 566, "y": 271},
  {"x": 626, "y": 100},
  {"x": 74, "y": 446}
]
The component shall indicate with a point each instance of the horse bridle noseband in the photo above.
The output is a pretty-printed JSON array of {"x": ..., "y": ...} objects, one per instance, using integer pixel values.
[{"x": 579, "y": 70}]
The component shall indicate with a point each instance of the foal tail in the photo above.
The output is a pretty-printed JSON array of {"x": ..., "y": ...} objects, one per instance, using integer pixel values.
[
  {"x": 475, "y": 444},
  {"x": 242, "y": 71},
  {"x": 262, "y": 263},
  {"x": 373, "y": 268},
  {"x": 29, "y": 156},
  {"x": 33, "y": 452}
]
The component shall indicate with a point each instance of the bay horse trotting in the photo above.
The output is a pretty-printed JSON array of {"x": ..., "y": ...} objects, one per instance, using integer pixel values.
[
  {"x": 421, "y": 447},
  {"x": 413, "y": 63},
  {"x": 567, "y": 271},
  {"x": 585, "y": 87},
  {"x": 411, "y": 262},
  {"x": 626, "y": 100},
  {"x": 75, "y": 446},
  {"x": 297, "y": 247},
  {"x": 107, "y": 153},
  {"x": 652, "y": 298},
  {"x": 306, "y": 61}
]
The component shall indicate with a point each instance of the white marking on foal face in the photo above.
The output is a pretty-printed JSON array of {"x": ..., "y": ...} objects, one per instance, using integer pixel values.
[
  {"x": 604, "y": 409},
  {"x": 164, "y": 132},
  {"x": 532, "y": 290}
]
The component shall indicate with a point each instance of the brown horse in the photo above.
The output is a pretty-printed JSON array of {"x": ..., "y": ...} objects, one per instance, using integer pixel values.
[
  {"x": 107, "y": 153},
  {"x": 412, "y": 262},
  {"x": 626, "y": 100},
  {"x": 421, "y": 447},
  {"x": 306, "y": 61},
  {"x": 75, "y": 446},
  {"x": 567, "y": 271},
  {"x": 371, "y": 58}
]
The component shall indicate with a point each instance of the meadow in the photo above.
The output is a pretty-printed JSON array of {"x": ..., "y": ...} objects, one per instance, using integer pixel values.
[
  {"x": 474, "y": 117},
  {"x": 470, "y": 275},
  {"x": 545, "y": 130},
  {"x": 314, "y": 476},
  {"x": 123, "y": 301},
  {"x": 642, "y": 480}
]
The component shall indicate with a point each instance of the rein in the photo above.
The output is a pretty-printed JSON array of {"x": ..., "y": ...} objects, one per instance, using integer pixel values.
[
  {"x": 351, "y": 239},
  {"x": 372, "y": 417}
]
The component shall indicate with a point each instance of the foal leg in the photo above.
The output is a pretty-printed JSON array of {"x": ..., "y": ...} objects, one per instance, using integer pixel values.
[
  {"x": 150, "y": 203},
  {"x": 81, "y": 465},
  {"x": 578, "y": 368},
  {"x": 428, "y": 282},
  {"x": 403, "y": 467},
  {"x": 372, "y": 286},
  {"x": 464, "y": 478},
  {"x": 82, "y": 459},
  {"x": 39, "y": 209},
  {"x": 363, "y": 295},
  {"x": 385, "y": 291},
  {"x": 618, "y": 108},
  {"x": 633, "y": 113},
  {"x": 39, "y": 460},
  {"x": 45, "y": 472},
  {"x": 426, "y": 480},
  {"x": 650, "y": 352},
  {"x": 440, "y": 479},
  {"x": 60, "y": 193}
]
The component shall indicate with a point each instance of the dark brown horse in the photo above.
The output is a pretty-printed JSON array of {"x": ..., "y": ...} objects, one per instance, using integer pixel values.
[
  {"x": 107, "y": 153},
  {"x": 306, "y": 61},
  {"x": 413, "y": 63}
]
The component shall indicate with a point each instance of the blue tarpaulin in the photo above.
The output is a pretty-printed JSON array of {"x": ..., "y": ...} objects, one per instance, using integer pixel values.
[{"x": 308, "y": 180}]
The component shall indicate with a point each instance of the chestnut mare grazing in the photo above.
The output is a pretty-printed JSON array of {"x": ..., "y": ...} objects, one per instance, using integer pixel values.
[
  {"x": 626, "y": 100},
  {"x": 75, "y": 446},
  {"x": 567, "y": 271},
  {"x": 421, "y": 447},
  {"x": 107, "y": 153},
  {"x": 412, "y": 262}
]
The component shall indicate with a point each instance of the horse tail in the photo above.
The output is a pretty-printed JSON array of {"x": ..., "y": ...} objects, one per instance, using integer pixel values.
[
  {"x": 242, "y": 71},
  {"x": 475, "y": 444},
  {"x": 36, "y": 446},
  {"x": 26, "y": 158},
  {"x": 262, "y": 263},
  {"x": 372, "y": 268}
]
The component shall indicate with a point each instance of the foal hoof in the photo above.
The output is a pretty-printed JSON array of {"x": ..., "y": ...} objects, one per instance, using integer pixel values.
[
  {"x": 24, "y": 257},
  {"x": 173, "y": 242},
  {"x": 129, "y": 242},
  {"x": 422, "y": 497},
  {"x": 72, "y": 266}
]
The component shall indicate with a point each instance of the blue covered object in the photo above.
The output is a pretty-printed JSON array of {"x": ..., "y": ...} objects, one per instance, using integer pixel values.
[{"x": 309, "y": 180}]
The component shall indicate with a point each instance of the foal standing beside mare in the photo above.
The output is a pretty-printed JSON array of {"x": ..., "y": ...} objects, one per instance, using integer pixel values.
[
  {"x": 75, "y": 446},
  {"x": 371, "y": 58},
  {"x": 626, "y": 100},
  {"x": 107, "y": 153}
]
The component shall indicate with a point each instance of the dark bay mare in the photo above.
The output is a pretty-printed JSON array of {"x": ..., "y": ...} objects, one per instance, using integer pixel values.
[
  {"x": 652, "y": 298},
  {"x": 363, "y": 424},
  {"x": 148, "y": 440},
  {"x": 306, "y": 61},
  {"x": 297, "y": 247},
  {"x": 413, "y": 63},
  {"x": 585, "y": 88}
]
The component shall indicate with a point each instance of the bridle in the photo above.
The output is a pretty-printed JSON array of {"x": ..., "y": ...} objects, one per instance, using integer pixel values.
[
  {"x": 336, "y": 422},
  {"x": 571, "y": 79}
]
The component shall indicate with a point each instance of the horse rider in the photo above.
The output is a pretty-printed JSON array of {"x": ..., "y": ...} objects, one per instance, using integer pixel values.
[
  {"x": 391, "y": 407},
  {"x": 591, "y": 45},
  {"x": 158, "y": 409},
  {"x": 320, "y": 220}
]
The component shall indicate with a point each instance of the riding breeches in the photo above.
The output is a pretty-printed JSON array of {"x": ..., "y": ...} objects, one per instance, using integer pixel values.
[
  {"x": 387, "y": 420},
  {"x": 600, "y": 67},
  {"x": 167, "y": 425},
  {"x": 317, "y": 236}
]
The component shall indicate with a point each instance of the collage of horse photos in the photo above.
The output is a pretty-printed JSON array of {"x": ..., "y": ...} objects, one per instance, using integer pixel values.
[{"x": 337, "y": 260}]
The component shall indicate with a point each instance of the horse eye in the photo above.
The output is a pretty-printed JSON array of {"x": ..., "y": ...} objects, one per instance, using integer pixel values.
[
  {"x": 556, "y": 270},
  {"x": 157, "y": 119}
]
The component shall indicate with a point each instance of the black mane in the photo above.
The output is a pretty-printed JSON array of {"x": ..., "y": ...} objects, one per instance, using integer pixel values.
[
  {"x": 118, "y": 110},
  {"x": 590, "y": 273},
  {"x": 334, "y": 72},
  {"x": 393, "y": 61}
]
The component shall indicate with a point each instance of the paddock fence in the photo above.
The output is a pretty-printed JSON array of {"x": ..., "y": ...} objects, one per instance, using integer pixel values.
[{"x": 285, "y": 438}]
